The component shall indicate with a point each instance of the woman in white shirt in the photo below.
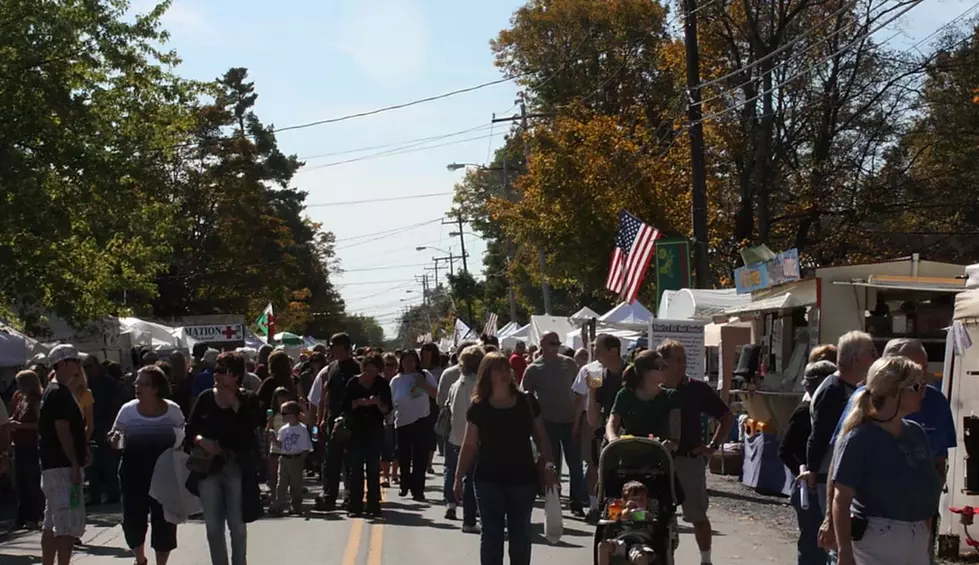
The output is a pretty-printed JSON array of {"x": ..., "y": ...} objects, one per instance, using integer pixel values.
[
  {"x": 460, "y": 397},
  {"x": 144, "y": 429},
  {"x": 411, "y": 392}
]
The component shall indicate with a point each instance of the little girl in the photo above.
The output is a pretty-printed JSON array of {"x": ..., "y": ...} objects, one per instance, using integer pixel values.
[{"x": 272, "y": 426}]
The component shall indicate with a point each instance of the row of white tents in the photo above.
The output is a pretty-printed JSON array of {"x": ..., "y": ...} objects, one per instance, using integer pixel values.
[{"x": 625, "y": 321}]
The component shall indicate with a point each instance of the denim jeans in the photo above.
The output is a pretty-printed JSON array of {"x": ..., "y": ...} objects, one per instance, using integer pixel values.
[
  {"x": 560, "y": 436},
  {"x": 468, "y": 491},
  {"x": 505, "y": 508},
  {"x": 27, "y": 473},
  {"x": 414, "y": 443},
  {"x": 365, "y": 451},
  {"x": 221, "y": 502},
  {"x": 809, "y": 520}
]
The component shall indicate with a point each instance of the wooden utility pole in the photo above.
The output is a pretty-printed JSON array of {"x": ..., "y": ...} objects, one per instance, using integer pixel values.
[{"x": 697, "y": 160}]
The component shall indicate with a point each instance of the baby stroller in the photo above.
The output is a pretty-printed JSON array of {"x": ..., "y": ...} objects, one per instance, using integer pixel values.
[{"x": 646, "y": 461}]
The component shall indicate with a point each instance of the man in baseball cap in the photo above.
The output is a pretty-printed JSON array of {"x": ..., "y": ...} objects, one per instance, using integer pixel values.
[{"x": 63, "y": 454}]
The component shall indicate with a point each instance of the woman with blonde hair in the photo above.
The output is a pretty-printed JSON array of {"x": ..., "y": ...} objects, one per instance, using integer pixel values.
[
  {"x": 25, "y": 410},
  {"x": 499, "y": 424},
  {"x": 886, "y": 486}
]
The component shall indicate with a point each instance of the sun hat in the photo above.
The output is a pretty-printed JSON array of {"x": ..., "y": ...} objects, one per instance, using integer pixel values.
[{"x": 63, "y": 352}]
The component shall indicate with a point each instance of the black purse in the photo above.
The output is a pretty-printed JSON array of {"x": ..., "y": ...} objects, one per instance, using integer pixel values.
[
  {"x": 341, "y": 432},
  {"x": 203, "y": 463}
]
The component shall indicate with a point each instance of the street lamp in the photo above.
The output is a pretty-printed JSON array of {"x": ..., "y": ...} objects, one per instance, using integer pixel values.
[{"x": 424, "y": 247}]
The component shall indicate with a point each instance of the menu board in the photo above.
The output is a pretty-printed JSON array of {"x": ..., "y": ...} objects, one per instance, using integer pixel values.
[{"x": 690, "y": 334}]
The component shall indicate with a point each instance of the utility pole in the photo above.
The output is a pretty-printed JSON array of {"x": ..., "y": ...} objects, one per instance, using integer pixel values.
[
  {"x": 541, "y": 260},
  {"x": 465, "y": 266},
  {"x": 511, "y": 291},
  {"x": 697, "y": 160},
  {"x": 450, "y": 260}
]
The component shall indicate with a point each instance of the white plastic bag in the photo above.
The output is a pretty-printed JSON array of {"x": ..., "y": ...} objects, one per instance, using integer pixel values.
[
  {"x": 553, "y": 520},
  {"x": 168, "y": 487}
]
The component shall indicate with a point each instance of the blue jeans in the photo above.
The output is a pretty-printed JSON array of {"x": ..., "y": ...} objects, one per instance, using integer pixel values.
[
  {"x": 221, "y": 502},
  {"x": 809, "y": 521},
  {"x": 363, "y": 451},
  {"x": 505, "y": 508},
  {"x": 560, "y": 436},
  {"x": 468, "y": 492}
]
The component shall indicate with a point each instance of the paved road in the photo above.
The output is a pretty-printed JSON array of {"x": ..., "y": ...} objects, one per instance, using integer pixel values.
[{"x": 411, "y": 533}]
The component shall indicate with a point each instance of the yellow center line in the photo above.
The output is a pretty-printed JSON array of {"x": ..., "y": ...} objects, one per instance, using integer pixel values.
[
  {"x": 377, "y": 541},
  {"x": 353, "y": 542}
]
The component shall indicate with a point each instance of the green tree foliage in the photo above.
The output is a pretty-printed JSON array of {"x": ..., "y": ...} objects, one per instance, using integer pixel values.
[
  {"x": 90, "y": 116},
  {"x": 243, "y": 238},
  {"x": 363, "y": 330}
]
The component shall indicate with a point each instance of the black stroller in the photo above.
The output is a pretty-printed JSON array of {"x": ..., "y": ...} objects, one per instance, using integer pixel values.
[{"x": 647, "y": 461}]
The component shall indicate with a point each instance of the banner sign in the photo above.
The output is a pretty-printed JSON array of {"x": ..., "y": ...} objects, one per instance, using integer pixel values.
[
  {"x": 780, "y": 270},
  {"x": 216, "y": 332},
  {"x": 672, "y": 266},
  {"x": 690, "y": 334}
]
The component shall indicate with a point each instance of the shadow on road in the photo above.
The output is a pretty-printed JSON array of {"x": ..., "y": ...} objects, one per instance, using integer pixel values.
[
  {"x": 8, "y": 559},
  {"x": 770, "y": 501},
  {"x": 102, "y": 551},
  {"x": 394, "y": 517}
]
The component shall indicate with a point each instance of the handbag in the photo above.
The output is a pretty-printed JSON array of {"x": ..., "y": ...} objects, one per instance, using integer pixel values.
[
  {"x": 203, "y": 463},
  {"x": 443, "y": 425},
  {"x": 341, "y": 432}
]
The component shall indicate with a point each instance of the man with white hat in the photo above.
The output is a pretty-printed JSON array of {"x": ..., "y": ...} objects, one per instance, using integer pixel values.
[{"x": 63, "y": 453}]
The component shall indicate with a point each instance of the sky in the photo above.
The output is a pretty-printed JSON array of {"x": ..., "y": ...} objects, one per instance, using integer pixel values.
[{"x": 314, "y": 60}]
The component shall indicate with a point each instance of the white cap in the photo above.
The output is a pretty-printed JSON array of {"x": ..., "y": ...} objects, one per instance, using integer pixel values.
[{"x": 63, "y": 352}]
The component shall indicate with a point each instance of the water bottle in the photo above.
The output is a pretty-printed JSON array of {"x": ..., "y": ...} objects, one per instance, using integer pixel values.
[
  {"x": 75, "y": 496},
  {"x": 316, "y": 433},
  {"x": 803, "y": 490}
]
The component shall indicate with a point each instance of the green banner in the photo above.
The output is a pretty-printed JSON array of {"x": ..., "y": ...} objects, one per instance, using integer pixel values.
[{"x": 672, "y": 266}]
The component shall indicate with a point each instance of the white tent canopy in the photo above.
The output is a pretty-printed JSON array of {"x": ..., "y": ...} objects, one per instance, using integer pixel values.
[
  {"x": 629, "y": 316},
  {"x": 584, "y": 315},
  {"x": 627, "y": 337},
  {"x": 699, "y": 304},
  {"x": 510, "y": 341},
  {"x": 508, "y": 329},
  {"x": 540, "y": 325}
]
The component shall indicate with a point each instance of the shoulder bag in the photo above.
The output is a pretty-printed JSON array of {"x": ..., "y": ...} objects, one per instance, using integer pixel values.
[{"x": 443, "y": 425}]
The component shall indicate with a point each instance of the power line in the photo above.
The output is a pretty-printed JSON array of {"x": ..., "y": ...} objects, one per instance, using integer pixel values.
[
  {"x": 400, "y": 144},
  {"x": 385, "y": 268},
  {"x": 373, "y": 200},
  {"x": 370, "y": 282},
  {"x": 811, "y": 68},
  {"x": 395, "y": 106},
  {"x": 425, "y": 223},
  {"x": 391, "y": 152}
]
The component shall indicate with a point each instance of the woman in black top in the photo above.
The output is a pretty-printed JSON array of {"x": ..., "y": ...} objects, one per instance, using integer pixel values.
[
  {"x": 500, "y": 423},
  {"x": 365, "y": 403},
  {"x": 792, "y": 451},
  {"x": 223, "y": 423}
]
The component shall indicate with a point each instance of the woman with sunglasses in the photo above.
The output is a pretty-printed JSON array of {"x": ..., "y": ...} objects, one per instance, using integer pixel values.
[
  {"x": 643, "y": 407},
  {"x": 886, "y": 486},
  {"x": 144, "y": 429},
  {"x": 223, "y": 424},
  {"x": 389, "y": 462}
]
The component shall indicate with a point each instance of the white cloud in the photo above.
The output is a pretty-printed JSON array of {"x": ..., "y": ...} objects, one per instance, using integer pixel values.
[{"x": 388, "y": 39}]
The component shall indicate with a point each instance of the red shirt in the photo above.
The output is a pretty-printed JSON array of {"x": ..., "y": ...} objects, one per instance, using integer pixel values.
[{"x": 519, "y": 365}]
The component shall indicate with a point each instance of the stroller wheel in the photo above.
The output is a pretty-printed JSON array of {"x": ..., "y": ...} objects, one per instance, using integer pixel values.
[{"x": 599, "y": 536}]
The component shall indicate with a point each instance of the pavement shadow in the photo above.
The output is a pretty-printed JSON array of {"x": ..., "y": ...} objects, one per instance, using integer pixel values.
[
  {"x": 769, "y": 501},
  {"x": 395, "y": 517},
  {"x": 102, "y": 551},
  {"x": 8, "y": 559},
  {"x": 683, "y": 529},
  {"x": 537, "y": 536}
]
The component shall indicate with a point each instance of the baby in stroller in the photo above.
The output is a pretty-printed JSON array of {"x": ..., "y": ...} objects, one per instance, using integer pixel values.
[
  {"x": 639, "y": 497},
  {"x": 633, "y": 543}
]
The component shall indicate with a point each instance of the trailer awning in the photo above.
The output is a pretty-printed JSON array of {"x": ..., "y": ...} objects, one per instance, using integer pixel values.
[
  {"x": 913, "y": 287},
  {"x": 780, "y": 302}
]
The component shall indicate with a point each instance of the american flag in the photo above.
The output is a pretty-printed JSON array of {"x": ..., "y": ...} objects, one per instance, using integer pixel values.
[
  {"x": 490, "y": 327},
  {"x": 634, "y": 246}
]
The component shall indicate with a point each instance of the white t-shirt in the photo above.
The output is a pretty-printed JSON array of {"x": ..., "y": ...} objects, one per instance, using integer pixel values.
[
  {"x": 410, "y": 403},
  {"x": 294, "y": 440},
  {"x": 316, "y": 390},
  {"x": 139, "y": 430}
]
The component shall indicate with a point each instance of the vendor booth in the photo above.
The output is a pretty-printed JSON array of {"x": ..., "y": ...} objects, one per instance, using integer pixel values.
[{"x": 961, "y": 386}]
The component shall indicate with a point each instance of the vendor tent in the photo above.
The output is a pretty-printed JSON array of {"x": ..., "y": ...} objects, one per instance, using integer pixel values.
[
  {"x": 506, "y": 330},
  {"x": 540, "y": 325},
  {"x": 699, "y": 304},
  {"x": 584, "y": 315},
  {"x": 149, "y": 334},
  {"x": 634, "y": 314},
  {"x": 628, "y": 338},
  {"x": 510, "y": 341}
]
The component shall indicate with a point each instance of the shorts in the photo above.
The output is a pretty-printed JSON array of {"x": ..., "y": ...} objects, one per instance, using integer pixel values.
[
  {"x": 59, "y": 516},
  {"x": 692, "y": 474}
]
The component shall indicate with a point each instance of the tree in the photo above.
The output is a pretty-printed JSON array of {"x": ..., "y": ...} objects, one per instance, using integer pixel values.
[
  {"x": 244, "y": 240},
  {"x": 364, "y": 330},
  {"x": 91, "y": 118}
]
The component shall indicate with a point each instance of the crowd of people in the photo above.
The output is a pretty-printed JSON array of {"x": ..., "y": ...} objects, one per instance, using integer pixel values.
[
  {"x": 870, "y": 441},
  {"x": 255, "y": 428}
]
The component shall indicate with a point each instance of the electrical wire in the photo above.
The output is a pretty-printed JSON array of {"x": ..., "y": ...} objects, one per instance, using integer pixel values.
[
  {"x": 425, "y": 223},
  {"x": 395, "y": 106},
  {"x": 375, "y": 200},
  {"x": 399, "y": 144},
  {"x": 809, "y": 69},
  {"x": 389, "y": 153}
]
